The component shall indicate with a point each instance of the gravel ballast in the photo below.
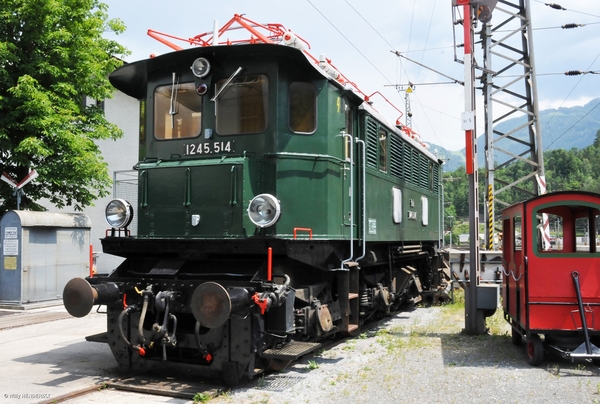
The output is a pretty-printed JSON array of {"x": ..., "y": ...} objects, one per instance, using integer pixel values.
[{"x": 421, "y": 356}]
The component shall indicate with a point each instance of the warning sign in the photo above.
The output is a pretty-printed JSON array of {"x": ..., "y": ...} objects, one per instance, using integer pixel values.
[
  {"x": 10, "y": 247},
  {"x": 10, "y": 263},
  {"x": 10, "y": 232}
]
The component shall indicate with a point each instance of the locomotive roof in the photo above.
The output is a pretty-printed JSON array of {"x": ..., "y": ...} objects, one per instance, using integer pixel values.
[{"x": 132, "y": 78}]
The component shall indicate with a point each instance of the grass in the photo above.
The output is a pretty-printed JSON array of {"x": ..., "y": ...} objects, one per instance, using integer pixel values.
[
  {"x": 448, "y": 329},
  {"x": 201, "y": 398},
  {"x": 312, "y": 365}
]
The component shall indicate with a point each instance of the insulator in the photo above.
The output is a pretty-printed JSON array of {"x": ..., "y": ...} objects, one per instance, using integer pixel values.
[
  {"x": 571, "y": 25},
  {"x": 555, "y": 6},
  {"x": 573, "y": 73}
]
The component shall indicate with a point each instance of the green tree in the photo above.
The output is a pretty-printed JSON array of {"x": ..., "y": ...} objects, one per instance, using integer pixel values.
[{"x": 53, "y": 56}]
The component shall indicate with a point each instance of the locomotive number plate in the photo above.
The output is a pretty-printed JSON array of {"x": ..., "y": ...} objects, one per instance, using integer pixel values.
[{"x": 205, "y": 148}]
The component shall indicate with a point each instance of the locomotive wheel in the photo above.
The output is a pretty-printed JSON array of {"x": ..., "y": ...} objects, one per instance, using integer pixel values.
[
  {"x": 515, "y": 337},
  {"x": 535, "y": 350}
]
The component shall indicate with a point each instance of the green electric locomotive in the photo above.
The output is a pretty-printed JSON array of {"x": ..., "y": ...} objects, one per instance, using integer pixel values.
[{"x": 275, "y": 208}]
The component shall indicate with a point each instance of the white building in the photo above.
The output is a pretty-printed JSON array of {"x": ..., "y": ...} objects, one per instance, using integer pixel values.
[{"x": 120, "y": 155}]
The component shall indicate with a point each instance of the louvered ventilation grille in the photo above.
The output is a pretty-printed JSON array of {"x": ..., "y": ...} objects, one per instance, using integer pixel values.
[{"x": 371, "y": 144}]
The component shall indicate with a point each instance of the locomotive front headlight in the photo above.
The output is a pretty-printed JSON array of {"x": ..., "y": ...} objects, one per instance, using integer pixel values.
[
  {"x": 119, "y": 213},
  {"x": 200, "y": 67},
  {"x": 264, "y": 210}
]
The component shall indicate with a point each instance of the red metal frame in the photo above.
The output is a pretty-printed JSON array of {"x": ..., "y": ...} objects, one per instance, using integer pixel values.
[
  {"x": 274, "y": 33},
  {"x": 540, "y": 295},
  {"x": 297, "y": 229}
]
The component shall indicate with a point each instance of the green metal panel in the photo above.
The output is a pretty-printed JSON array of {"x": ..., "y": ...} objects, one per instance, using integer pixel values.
[
  {"x": 409, "y": 170},
  {"x": 196, "y": 198},
  {"x": 310, "y": 190}
]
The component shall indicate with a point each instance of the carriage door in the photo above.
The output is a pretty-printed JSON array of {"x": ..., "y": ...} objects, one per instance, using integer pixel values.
[{"x": 512, "y": 251}]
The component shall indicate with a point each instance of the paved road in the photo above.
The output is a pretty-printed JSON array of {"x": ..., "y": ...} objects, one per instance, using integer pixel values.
[{"x": 45, "y": 358}]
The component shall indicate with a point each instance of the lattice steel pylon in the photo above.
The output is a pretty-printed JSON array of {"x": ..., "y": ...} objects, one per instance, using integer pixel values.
[{"x": 510, "y": 91}]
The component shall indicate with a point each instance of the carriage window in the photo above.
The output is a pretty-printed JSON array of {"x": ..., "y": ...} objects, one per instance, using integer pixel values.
[
  {"x": 550, "y": 232},
  {"x": 242, "y": 106},
  {"x": 383, "y": 144},
  {"x": 303, "y": 107},
  {"x": 569, "y": 229},
  {"x": 582, "y": 234},
  {"x": 177, "y": 111},
  {"x": 517, "y": 233}
]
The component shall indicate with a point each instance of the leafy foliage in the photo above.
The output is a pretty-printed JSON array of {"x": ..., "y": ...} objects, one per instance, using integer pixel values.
[{"x": 53, "y": 55}]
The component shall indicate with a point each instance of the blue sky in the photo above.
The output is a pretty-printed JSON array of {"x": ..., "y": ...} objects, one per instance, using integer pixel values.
[{"x": 359, "y": 37}]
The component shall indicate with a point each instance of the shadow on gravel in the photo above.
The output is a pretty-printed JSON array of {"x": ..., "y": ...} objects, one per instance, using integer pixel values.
[{"x": 460, "y": 350}]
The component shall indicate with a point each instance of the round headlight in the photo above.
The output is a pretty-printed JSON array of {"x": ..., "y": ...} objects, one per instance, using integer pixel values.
[
  {"x": 119, "y": 213},
  {"x": 264, "y": 210},
  {"x": 200, "y": 67}
]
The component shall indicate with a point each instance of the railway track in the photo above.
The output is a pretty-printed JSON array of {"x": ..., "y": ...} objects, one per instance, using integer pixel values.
[
  {"x": 99, "y": 374},
  {"x": 184, "y": 387}
]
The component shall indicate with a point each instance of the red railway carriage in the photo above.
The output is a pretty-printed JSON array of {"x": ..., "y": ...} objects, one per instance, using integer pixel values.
[{"x": 551, "y": 287}]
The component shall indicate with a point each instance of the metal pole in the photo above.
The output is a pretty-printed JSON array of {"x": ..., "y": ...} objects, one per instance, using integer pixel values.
[
  {"x": 474, "y": 319},
  {"x": 489, "y": 136}
]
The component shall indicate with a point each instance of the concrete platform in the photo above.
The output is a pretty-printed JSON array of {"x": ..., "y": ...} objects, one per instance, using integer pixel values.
[{"x": 46, "y": 359}]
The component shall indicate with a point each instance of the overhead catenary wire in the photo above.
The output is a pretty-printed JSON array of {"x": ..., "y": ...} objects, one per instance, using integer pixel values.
[
  {"x": 561, "y": 8},
  {"x": 420, "y": 64},
  {"x": 349, "y": 41},
  {"x": 409, "y": 17},
  {"x": 360, "y": 52}
]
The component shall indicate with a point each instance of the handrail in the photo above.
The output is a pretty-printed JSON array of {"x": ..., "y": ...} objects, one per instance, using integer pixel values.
[
  {"x": 364, "y": 198},
  {"x": 297, "y": 229},
  {"x": 351, "y": 192},
  {"x": 308, "y": 156}
]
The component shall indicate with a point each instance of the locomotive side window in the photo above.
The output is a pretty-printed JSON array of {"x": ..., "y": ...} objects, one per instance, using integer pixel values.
[
  {"x": 397, "y": 205},
  {"x": 242, "y": 106},
  {"x": 383, "y": 145},
  {"x": 303, "y": 107},
  {"x": 177, "y": 112},
  {"x": 349, "y": 119},
  {"x": 424, "y": 211}
]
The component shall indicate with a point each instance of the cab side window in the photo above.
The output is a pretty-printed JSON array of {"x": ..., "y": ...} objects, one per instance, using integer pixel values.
[{"x": 303, "y": 107}]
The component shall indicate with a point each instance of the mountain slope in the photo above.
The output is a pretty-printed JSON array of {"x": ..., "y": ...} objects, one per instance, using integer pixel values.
[{"x": 562, "y": 128}]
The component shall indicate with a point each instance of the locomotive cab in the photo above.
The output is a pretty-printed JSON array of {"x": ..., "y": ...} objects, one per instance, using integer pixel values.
[{"x": 256, "y": 119}]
